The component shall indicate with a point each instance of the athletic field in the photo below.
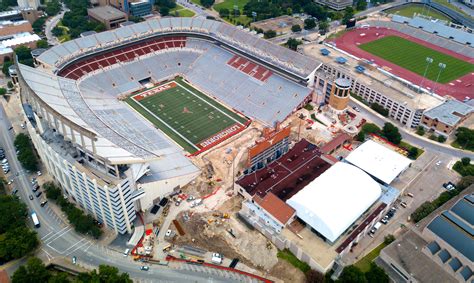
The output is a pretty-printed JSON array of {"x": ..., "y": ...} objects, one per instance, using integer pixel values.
[
  {"x": 189, "y": 117},
  {"x": 412, "y": 56}
]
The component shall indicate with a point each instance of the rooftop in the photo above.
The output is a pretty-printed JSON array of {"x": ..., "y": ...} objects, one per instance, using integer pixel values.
[
  {"x": 19, "y": 38},
  {"x": 336, "y": 199},
  {"x": 407, "y": 253},
  {"x": 276, "y": 207},
  {"x": 289, "y": 174},
  {"x": 107, "y": 12},
  {"x": 374, "y": 79},
  {"x": 378, "y": 161},
  {"x": 456, "y": 230},
  {"x": 450, "y": 112}
]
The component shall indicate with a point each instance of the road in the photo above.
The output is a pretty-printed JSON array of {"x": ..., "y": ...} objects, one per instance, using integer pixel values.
[
  {"x": 379, "y": 8},
  {"x": 60, "y": 241},
  {"x": 51, "y": 23},
  {"x": 411, "y": 137}
]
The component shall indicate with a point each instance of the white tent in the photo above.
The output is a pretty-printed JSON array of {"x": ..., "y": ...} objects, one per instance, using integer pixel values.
[
  {"x": 379, "y": 161},
  {"x": 336, "y": 199}
]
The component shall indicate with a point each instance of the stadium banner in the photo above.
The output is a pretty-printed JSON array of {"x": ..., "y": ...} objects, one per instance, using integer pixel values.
[
  {"x": 219, "y": 137},
  {"x": 155, "y": 90}
]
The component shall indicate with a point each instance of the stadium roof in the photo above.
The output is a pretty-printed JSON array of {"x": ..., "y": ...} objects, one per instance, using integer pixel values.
[
  {"x": 121, "y": 135},
  {"x": 450, "y": 112},
  {"x": 274, "y": 54},
  {"x": 336, "y": 199},
  {"x": 378, "y": 161}
]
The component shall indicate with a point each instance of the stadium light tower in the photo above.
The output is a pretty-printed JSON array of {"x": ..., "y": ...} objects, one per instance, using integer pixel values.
[
  {"x": 429, "y": 60},
  {"x": 441, "y": 66}
]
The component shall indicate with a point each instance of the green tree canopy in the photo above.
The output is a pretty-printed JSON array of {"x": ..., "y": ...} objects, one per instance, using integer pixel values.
[
  {"x": 295, "y": 28},
  {"x": 293, "y": 43},
  {"x": 106, "y": 274},
  {"x": 13, "y": 212},
  {"x": 207, "y": 3},
  {"x": 376, "y": 274},
  {"x": 309, "y": 24},
  {"x": 224, "y": 12},
  {"x": 42, "y": 43},
  {"x": 34, "y": 271},
  {"x": 465, "y": 138},
  {"x": 391, "y": 133},
  {"x": 352, "y": 274}
]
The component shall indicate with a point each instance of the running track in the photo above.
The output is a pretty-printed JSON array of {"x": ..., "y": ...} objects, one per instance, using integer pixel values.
[{"x": 460, "y": 88}]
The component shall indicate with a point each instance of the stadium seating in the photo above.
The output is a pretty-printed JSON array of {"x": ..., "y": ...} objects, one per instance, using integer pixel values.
[
  {"x": 441, "y": 38},
  {"x": 205, "y": 66},
  {"x": 59, "y": 56},
  {"x": 124, "y": 54}
]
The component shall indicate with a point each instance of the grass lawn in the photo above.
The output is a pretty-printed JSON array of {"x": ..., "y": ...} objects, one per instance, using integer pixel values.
[
  {"x": 182, "y": 12},
  {"x": 243, "y": 19},
  {"x": 455, "y": 144},
  {"x": 410, "y": 9},
  {"x": 291, "y": 258},
  {"x": 198, "y": 2},
  {"x": 183, "y": 113},
  {"x": 364, "y": 263},
  {"x": 229, "y": 4},
  {"x": 412, "y": 56}
]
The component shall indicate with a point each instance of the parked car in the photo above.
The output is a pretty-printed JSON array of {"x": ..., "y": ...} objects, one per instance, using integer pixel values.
[
  {"x": 168, "y": 233},
  {"x": 144, "y": 268},
  {"x": 43, "y": 203},
  {"x": 403, "y": 204},
  {"x": 30, "y": 197}
]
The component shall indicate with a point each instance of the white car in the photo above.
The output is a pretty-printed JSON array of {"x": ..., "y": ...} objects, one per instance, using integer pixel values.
[
  {"x": 168, "y": 233},
  {"x": 39, "y": 173},
  {"x": 438, "y": 163}
]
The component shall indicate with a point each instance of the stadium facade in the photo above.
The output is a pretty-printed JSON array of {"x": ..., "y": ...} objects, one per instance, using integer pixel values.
[{"x": 110, "y": 160}]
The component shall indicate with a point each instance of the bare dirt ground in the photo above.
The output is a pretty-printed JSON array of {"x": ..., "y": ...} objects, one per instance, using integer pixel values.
[{"x": 287, "y": 272}]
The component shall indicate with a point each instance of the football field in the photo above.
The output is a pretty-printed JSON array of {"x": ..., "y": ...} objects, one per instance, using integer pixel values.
[
  {"x": 412, "y": 56},
  {"x": 188, "y": 116}
]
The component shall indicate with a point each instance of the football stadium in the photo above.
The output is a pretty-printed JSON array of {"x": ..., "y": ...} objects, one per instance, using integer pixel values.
[
  {"x": 122, "y": 112},
  {"x": 403, "y": 45}
]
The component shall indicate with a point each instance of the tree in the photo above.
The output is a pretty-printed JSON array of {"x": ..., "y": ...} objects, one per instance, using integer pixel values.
[
  {"x": 52, "y": 191},
  {"x": 314, "y": 276},
  {"x": 60, "y": 277},
  {"x": 207, "y": 3},
  {"x": 348, "y": 14},
  {"x": 465, "y": 161},
  {"x": 38, "y": 25},
  {"x": 57, "y": 31},
  {"x": 391, "y": 133},
  {"x": 361, "y": 136},
  {"x": 13, "y": 213},
  {"x": 53, "y": 7},
  {"x": 296, "y": 28},
  {"x": 106, "y": 274},
  {"x": 16, "y": 243},
  {"x": 34, "y": 271},
  {"x": 441, "y": 138},
  {"x": 269, "y": 34},
  {"x": 135, "y": 19},
  {"x": 465, "y": 138},
  {"x": 376, "y": 274},
  {"x": 420, "y": 131},
  {"x": 5, "y": 67},
  {"x": 42, "y": 43},
  {"x": 164, "y": 11},
  {"x": 23, "y": 52},
  {"x": 361, "y": 5},
  {"x": 371, "y": 128},
  {"x": 293, "y": 43},
  {"x": 309, "y": 24},
  {"x": 10, "y": 84},
  {"x": 3, "y": 91},
  {"x": 352, "y": 274},
  {"x": 323, "y": 26},
  {"x": 413, "y": 152},
  {"x": 388, "y": 239},
  {"x": 224, "y": 13},
  {"x": 379, "y": 109}
]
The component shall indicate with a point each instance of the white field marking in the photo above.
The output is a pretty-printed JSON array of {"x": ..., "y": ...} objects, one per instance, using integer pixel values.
[
  {"x": 45, "y": 236},
  {"x": 166, "y": 124},
  {"x": 88, "y": 242},
  {"x": 209, "y": 103},
  {"x": 55, "y": 233}
]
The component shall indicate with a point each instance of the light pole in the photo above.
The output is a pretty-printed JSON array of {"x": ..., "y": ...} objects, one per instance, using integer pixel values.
[
  {"x": 441, "y": 66},
  {"x": 429, "y": 60}
]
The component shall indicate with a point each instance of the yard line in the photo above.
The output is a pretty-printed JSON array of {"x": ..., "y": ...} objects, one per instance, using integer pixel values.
[
  {"x": 166, "y": 124},
  {"x": 209, "y": 103}
]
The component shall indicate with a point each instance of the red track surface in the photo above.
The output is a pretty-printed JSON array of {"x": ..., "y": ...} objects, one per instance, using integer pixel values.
[{"x": 459, "y": 88}]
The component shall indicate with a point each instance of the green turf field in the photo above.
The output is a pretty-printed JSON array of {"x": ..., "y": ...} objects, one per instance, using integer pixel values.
[
  {"x": 185, "y": 114},
  {"x": 412, "y": 56},
  {"x": 410, "y": 9}
]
